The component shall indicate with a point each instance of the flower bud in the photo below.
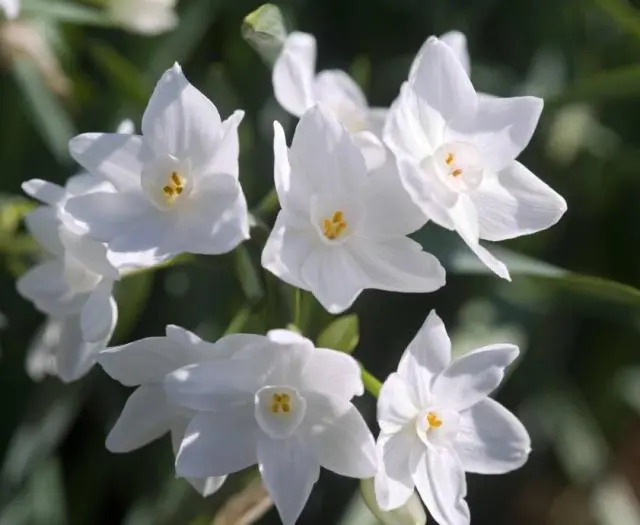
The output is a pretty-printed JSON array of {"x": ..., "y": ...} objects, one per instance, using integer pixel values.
[{"x": 411, "y": 513}]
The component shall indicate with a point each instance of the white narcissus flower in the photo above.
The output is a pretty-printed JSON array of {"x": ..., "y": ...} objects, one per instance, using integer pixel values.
[
  {"x": 11, "y": 8},
  {"x": 342, "y": 228},
  {"x": 280, "y": 403},
  {"x": 177, "y": 187},
  {"x": 78, "y": 279},
  {"x": 148, "y": 17},
  {"x": 456, "y": 155},
  {"x": 297, "y": 88},
  {"x": 437, "y": 422},
  {"x": 147, "y": 414}
]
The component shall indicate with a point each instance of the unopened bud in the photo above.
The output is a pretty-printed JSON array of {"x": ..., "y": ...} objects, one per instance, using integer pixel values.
[{"x": 265, "y": 31}]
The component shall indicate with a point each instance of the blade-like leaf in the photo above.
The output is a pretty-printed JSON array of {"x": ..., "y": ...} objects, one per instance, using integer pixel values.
[{"x": 341, "y": 334}]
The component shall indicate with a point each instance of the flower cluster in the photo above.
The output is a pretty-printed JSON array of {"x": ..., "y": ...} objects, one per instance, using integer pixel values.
[{"x": 353, "y": 185}]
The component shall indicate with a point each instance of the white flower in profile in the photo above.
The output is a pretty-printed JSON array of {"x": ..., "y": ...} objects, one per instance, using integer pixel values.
[
  {"x": 11, "y": 8},
  {"x": 342, "y": 228},
  {"x": 177, "y": 187},
  {"x": 78, "y": 279},
  {"x": 456, "y": 155},
  {"x": 437, "y": 422},
  {"x": 147, "y": 414},
  {"x": 280, "y": 403},
  {"x": 297, "y": 88},
  {"x": 147, "y": 17}
]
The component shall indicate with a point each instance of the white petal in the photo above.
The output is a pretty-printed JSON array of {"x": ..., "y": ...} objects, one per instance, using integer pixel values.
[
  {"x": 289, "y": 471},
  {"x": 43, "y": 224},
  {"x": 457, "y": 42},
  {"x": 44, "y": 191},
  {"x": 428, "y": 354},
  {"x": 324, "y": 157},
  {"x": 119, "y": 158},
  {"x": 99, "y": 315},
  {"x": 218, "y": 443},
  {"x": 41, "y": 354},
  {"x": 126, "y": 126},
  {"x": 373, "y": 149},
  {"x": 501, "y": 128},
  {"x": 88, "y": 252},
  {"x": 339, "y": 436},
  {"x": 393, "y": 483},
  {"x": 84, "y": 183},
  {"x": 491, "y": 440},
  {"x": 225, "y": 158},
  {"x": 442, "y": 84},
  {"x": 397, "y": 265},
  {"x": 293, "y": 194},
  {"x": 11, "y": 8},
  {"x": 107, "y": 215},
  {"x": 145, "y": 361},
  {"x": 43, "y": 279},
  {"x": 333, "y": 277},
  {"x": 441, "y": 484},
  {"x": 332, "y": 373},
  {"x": 473, "y": 376},
  {"x": 396, "y": 403},
  {"x": 514, "y": 203},
  {"x": 180, "y": 121},
  {"x": 336, "y": 90},
  {"x": 293, "y": 73},
  {"x": 144, "y": 418},
  {"x": 287, "y": 248},
  {"x": 74, "y": 357}
]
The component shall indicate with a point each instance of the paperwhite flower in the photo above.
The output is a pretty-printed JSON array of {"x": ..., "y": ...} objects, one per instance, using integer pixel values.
[
  {"x": 282, "y": 404},
  {"x": 147, "y": 414},
  {"x": 342, "y": 228},
  {"x": 456, "y": 155},
  {"x": 437, "y": 422},
  {"x": 11, "y": 8},
  {"x": 177, "y": 187},
  {"x": 297, "y": 88},
  {"x": 148, "y": 17},
  {"x": 79, "y": 279}
]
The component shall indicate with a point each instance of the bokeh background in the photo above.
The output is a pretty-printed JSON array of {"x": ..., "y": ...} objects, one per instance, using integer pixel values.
[{"x": 573, "y": 306}]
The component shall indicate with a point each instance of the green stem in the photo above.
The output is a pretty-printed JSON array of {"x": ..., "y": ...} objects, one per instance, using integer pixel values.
[
  {"x": 297, "y": 307},
  {"x": 371, "y": 383}
]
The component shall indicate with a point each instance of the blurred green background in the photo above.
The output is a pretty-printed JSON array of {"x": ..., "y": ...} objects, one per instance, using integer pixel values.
[{"x": 64, "y": 70}]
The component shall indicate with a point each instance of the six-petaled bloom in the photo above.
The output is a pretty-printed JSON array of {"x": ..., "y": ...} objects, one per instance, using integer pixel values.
[
  {"x": 281, "y": 403},
  {"x": 177, "y": 187},
  {"x": 342, "y": 227},
  {"x": 456, "y": 155},
  {"x": 437, "y": 421}
]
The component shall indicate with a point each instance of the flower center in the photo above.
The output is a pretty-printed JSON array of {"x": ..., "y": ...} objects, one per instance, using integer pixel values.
[
  {"x": 281, "y": 403},
  {"x": 437, "y": 426},
  {"x": 174, "y": 187},
  {"x": 450, "y": 161},
  {"x": 279, "y": 410},
  {"x": 433, "y": 420},
  {"x": 335, "y": 226}
]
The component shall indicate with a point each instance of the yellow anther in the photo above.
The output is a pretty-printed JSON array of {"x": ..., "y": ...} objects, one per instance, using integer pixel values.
[
  {"x": 174, "y": 186},
  {"x": 281, "y": 403},
  {"x": 450, "y": 158},
  {"x": 433, "y": 420},
  {"x": 457, "y": 172},
  {"x": 333, "y": 228}
]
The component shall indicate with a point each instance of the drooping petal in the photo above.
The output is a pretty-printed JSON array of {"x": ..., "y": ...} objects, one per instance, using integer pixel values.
[
  {"x": 396, "y": 403},
  {"x": 145, "y": 361},
  {"x": 287, "y": 248},
  {"x": 501, "y": 128},
  {"x": 44, "y": 191},
  {"x": 332, "y": 373},
  {"x": 398, "y": 265},
  {"x": 119, "y": 158},
  {"x": 441, "y": 82},
  {"x": 428, "y": 354},
  {"x": 293, "y": 73},
  {"x": 218, "y": 443},
  {"x": 289, "y": 471},
  {"x": 46, "y": 278},
  {"x": 473, "y": 377},
  {"x": 225, "y": 158},
  {"x": 144, "y": 418},
  {"x": 339, "y": 437},
  {"x": 180, "y": 121},
  {"x": 100, "y": 313},
  {"x": 43, "y": 224},
  {"x": 491, "y": 440},
  {"x": 457, "y": 42},
  {"x": 393, "y": 483},
  {"x": 333, "y": 276},
  {"x": 441, "y": 483},
  {"x": 514, "y": 203}
]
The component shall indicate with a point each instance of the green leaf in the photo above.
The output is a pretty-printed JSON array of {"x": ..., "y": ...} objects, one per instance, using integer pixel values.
[
  {"x": 248, "y": 275},
  {"x": 50, "y": 118},
  {"x": 341, "y": 334}
]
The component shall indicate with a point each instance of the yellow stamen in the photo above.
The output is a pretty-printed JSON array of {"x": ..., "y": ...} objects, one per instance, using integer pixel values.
[
  {"x": 281, "y": 403},
  {"x": 450, "y": 158},
  {"x": 433, "y": 420},
  {"x": 175, "y": 186},
  {"x": 333, "y": 228},
  {"x": 457, "y": 172}
]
